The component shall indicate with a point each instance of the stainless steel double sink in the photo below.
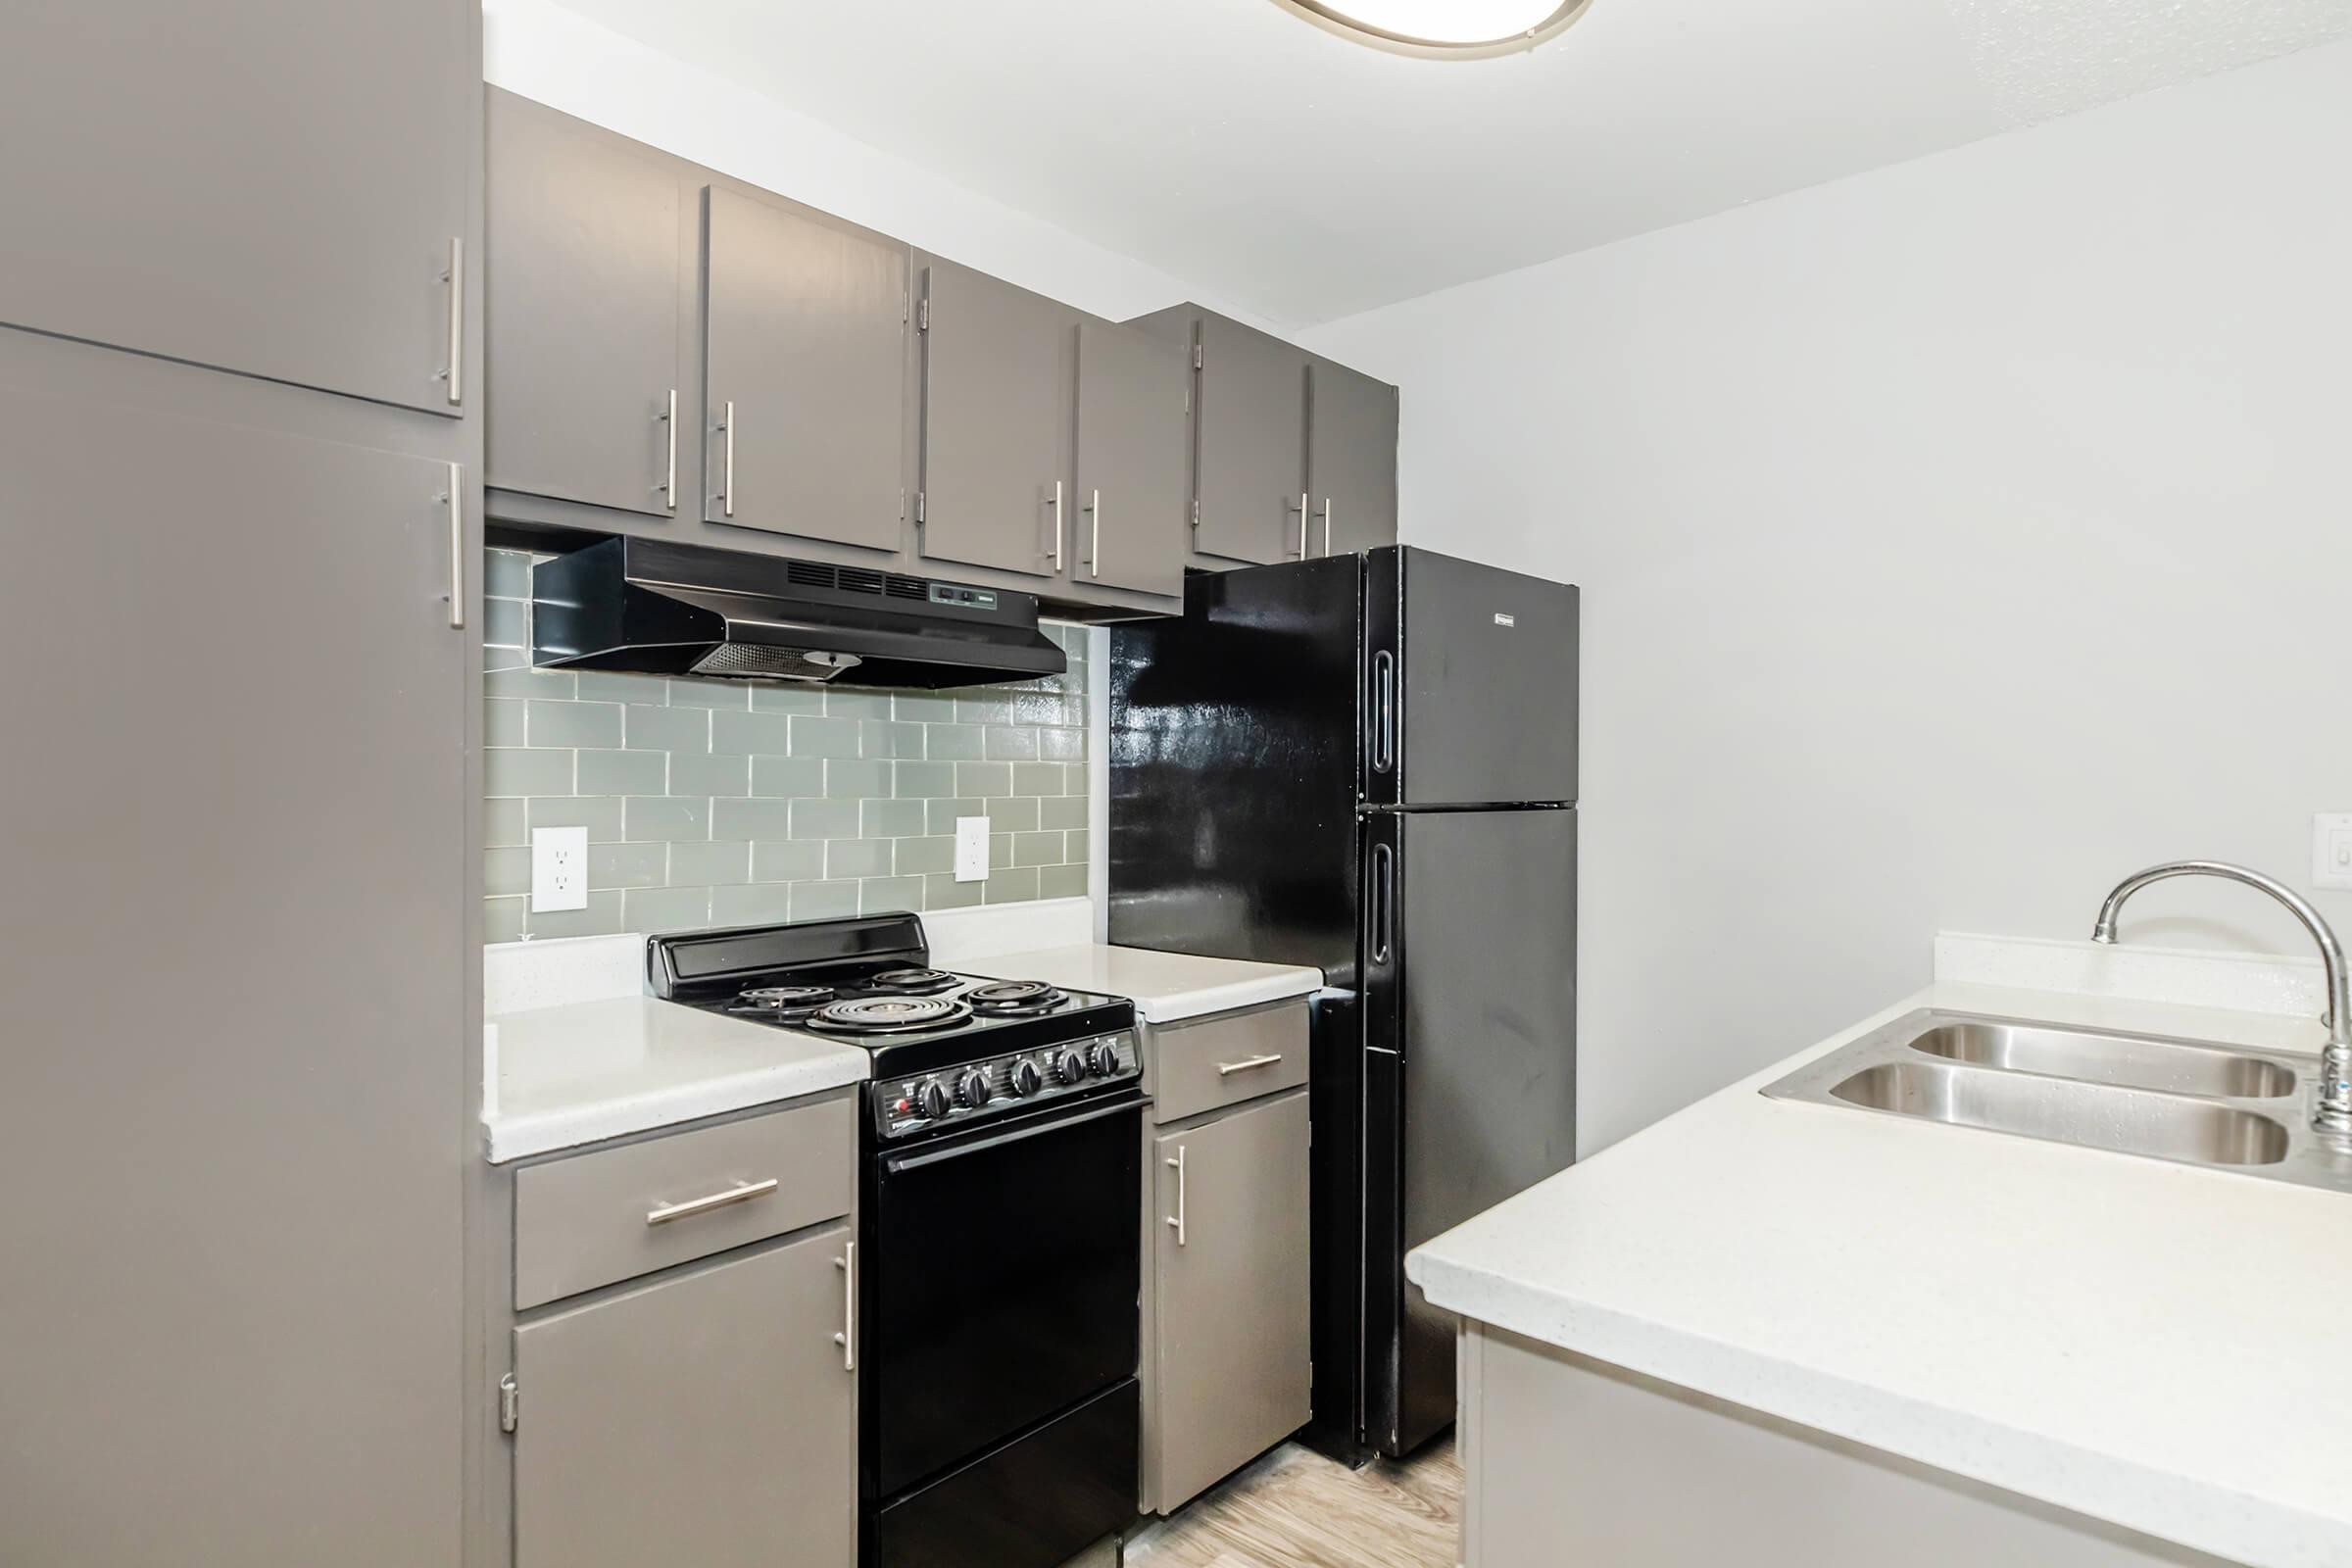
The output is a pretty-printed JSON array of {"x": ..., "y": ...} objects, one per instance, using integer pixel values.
[{"x": 2188, "y": 1101}]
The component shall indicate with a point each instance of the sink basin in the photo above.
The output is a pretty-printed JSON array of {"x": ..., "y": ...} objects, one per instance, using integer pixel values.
[
  {"x": 2128, "y": 1121},
  {"x": 2191, "y": 1101},
  {"x": 2128, "y": 1062}
]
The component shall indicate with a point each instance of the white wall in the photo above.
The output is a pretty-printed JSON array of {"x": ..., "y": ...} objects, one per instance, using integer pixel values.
[
  {"x": 1954, "y": 539},
  {"x": 540, "y": 50}
]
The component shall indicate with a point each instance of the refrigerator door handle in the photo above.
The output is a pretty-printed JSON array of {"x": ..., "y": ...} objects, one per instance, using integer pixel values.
[
  {"x": 1384, "y": 712},
  {"x": 1384, "y": 901}
]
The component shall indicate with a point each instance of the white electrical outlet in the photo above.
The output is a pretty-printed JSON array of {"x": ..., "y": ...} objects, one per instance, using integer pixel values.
[
  {"x": 2331, "y": 852},
  {"x": 558, "y": 869},
  {"x": 971, "y": 848}
]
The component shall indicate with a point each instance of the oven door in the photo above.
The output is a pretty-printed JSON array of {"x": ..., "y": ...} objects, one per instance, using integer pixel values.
[{"x": 1002, "y": 1275}]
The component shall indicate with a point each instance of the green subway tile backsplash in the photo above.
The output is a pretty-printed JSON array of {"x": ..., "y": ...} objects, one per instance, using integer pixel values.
[{"x": 719, "y": 802}]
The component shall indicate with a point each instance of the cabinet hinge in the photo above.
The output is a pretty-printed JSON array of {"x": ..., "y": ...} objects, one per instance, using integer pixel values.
[
  {"x": 922, "y": 315},
  {"x": 510, "y": 1402},
  {"x": 1197, "y": 357},
  {"x": 918, "y": 506}
]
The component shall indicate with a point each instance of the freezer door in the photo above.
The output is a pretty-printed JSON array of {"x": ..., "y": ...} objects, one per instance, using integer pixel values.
[
  {"x": 1470, "y": 1078},
  {"x": 1470, "y": 682}
]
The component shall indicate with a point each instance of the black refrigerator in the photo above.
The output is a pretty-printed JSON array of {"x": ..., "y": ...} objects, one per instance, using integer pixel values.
[{"x": 1368, "y": 763}]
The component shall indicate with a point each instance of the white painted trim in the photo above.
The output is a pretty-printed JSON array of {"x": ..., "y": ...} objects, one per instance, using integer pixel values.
[{"x": 2242, "y": 982}]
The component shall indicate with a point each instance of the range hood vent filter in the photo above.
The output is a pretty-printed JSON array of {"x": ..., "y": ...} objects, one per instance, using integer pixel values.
[{"x": 660, "y": 607}]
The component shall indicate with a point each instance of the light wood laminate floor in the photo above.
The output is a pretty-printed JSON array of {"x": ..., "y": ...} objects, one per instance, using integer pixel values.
[{"x": 1297, "y": 1509}]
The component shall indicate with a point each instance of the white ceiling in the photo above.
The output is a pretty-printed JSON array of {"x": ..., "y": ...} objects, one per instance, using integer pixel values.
[{"x": 1309, "y": 178}]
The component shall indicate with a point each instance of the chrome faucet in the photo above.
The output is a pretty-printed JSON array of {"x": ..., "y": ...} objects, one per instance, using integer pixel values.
[{"x": 2331, "y": 1105}]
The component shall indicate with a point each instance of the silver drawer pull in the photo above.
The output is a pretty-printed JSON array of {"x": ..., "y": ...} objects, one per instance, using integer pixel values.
[
  {"x": 1226, "y": 1069},
  {"x": 741, "y": 1193},
  {"x": 846, "y": 1338}
]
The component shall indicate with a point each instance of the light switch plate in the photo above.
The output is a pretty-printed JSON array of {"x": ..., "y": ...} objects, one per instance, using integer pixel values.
[
  {"x": 971, "y": 848},
  {"x": 558, "y": 869},
  {"x": 2332, "y": 850}
]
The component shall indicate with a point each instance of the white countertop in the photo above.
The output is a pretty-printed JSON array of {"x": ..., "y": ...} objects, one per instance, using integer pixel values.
[
  {"x": 2164, "y": 1347},
  {"x": 1165, "y": 986},
  {"x": 582, "y": 1071}
]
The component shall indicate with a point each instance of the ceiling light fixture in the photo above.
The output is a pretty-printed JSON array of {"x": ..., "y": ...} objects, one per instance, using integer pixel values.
[{"x": 1443, "y": 30}]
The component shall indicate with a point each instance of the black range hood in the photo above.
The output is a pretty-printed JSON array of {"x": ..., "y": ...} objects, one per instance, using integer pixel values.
[{"x": 658, "y": 608}]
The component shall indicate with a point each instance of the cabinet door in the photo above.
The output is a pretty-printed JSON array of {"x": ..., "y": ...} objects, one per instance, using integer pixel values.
[
  {"x": 1231, "y": 1293},
  {"x": 706, "y": 1418},
  {"x": 268, "y": 186},
  {"x": 248, "y": 1310},
  {"x": 581, "y": 306},
  {"x": 1251, "y": 430},
  {"x": 1130, "y": 501},
  {"x": 1351, "y": 461},
  {"x": 805, "y": 357},
  {"x": 996, "y": 393}
]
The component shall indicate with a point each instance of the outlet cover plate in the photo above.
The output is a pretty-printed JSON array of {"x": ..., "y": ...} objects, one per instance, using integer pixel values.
[
  {"x": 971, "y": 848},
  {"x": 558, "y": 869},
  {"x": 2331, "y": 852}
]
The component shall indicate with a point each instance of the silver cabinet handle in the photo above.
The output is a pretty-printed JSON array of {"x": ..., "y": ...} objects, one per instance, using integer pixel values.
[
  {"x": 1094, "y": 544},
  {"x": 1056, "y": 526},
  {"x": 456, "y": 499},
  {"x": 669, "y": 478},
  {"x": 1327, "y": 525},
  {"x": 1303, "y": 515},
  {"x": 1177, "y": 1222},
  {"x": 740, "y": 1193},
  {"x": 846, "y": 1338},
  {"x": 455, "y": 376},
  {"x": 1226, "y": 1069},
  {"x": 726, "y": 492}
]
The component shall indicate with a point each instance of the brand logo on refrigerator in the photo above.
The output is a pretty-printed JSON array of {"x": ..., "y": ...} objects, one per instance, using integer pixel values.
[{"x": 1501, "y": 619}]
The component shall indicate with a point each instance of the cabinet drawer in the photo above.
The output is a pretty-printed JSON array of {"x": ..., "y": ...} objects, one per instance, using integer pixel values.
[
  {"x": 1223, "y": 1060},
  {"x": 592, "y": 1219}
]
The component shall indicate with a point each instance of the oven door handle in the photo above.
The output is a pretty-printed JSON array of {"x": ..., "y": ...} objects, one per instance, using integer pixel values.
[{"x": 917, "y": 1159}]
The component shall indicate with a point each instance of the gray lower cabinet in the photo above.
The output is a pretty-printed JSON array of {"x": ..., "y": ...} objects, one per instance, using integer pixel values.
[
  {"x": 232, "y": 1104},
  {"x": 267, "y": 186},
  {"x": 997, "y": 374},
  {"x": 1230, "y": 1375},
  {"x": 583, "y": 282},
  {"x": 1129, "y": 506},
  {"x": 1350, "y": 459},
  {"x": 805, "y": 376},
  {"x": 708, "y": 1416}
]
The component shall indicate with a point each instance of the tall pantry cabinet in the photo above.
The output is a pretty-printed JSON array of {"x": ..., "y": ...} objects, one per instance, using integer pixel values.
[{"x": 239, "y": 996}]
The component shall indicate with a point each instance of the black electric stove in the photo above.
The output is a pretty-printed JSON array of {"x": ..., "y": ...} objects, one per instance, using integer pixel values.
[{"x": 999, "y": 1265}]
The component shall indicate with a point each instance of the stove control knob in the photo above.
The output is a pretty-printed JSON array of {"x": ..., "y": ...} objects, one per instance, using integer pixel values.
[
  {"x": 1069, "y": 1067},
  {"x": 972, "y": 1089},
  {"x": 1103, "y": 1060},
  {"x": 1023, "y": 1078},
  {"x": 931, "y": 1099}
]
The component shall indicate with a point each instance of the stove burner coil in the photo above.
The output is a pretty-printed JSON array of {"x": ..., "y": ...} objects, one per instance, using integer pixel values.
[
  {"x": 915, "y": 982},
  {"x": 1013, "y": 998},
  {"x": 786, "y": 998},
  {"x": 889, "y": 1015}
]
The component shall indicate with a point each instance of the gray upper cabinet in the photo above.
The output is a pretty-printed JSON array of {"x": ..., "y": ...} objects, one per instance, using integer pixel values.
[
  {"x": 804, "y": 374},
  {"x": 1350, "y": 459},
  {"x": 998, "y": 370},
  {"x": 1130, "y": 508},
  {"x": 708, "y": 1418},
  {"x": 1230, "y": 1293},
  {"x": 265, "y": 186},
  {"x": 243, "y": 1325},
  {"x": 1250, "y": 445},
  {"x": 583, "y": 279}
]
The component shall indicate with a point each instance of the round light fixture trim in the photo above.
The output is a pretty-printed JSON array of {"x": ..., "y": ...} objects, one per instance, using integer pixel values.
[{"x": 1444, "y": 29}]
